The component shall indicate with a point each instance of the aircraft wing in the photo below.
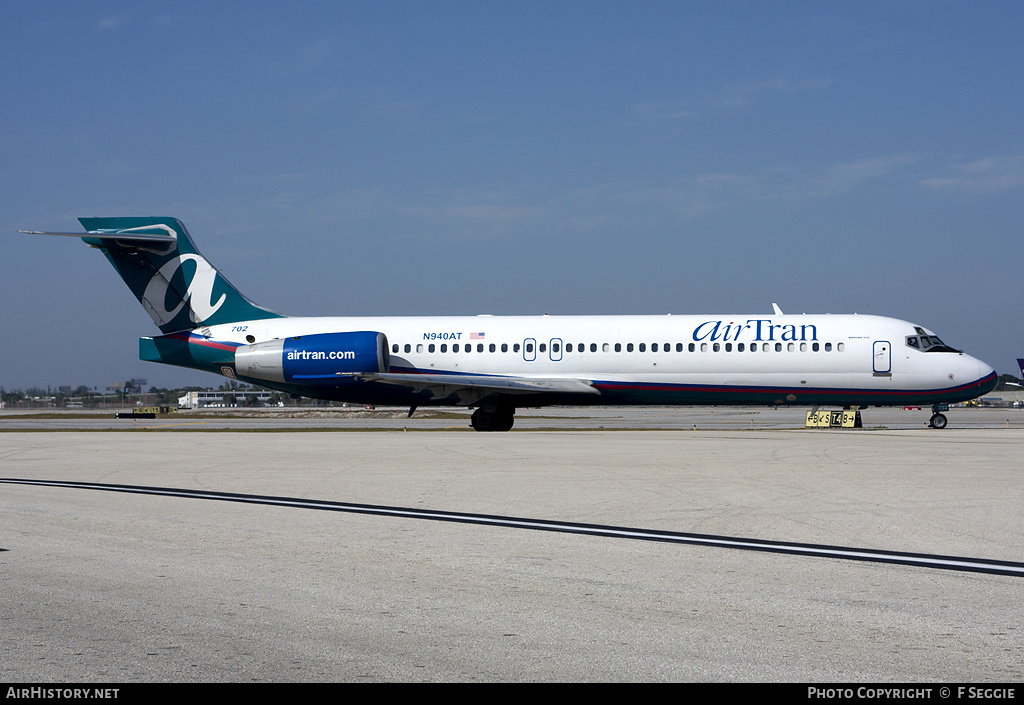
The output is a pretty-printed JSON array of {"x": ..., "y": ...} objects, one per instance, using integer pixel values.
[{"x": 472, "y": 388}]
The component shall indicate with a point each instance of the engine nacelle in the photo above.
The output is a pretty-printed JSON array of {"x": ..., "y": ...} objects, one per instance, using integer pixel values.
[{"x": 314, "y": 359}]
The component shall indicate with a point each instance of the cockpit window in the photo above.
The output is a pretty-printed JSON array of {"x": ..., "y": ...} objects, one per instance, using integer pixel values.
[{"x": 928, "y": 343}]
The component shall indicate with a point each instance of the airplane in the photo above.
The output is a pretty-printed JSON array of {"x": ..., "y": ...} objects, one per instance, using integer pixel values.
[{"x": 500, "y": 363}]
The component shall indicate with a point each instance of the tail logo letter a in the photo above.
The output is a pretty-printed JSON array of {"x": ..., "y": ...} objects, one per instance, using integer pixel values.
[{"x": 199, "y": 294}]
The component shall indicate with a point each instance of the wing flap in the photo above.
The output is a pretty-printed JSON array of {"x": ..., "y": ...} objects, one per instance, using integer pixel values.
[{"x": 472, "y": 388}]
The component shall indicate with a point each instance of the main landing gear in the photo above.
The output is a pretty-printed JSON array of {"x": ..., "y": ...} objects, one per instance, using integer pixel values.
[
  {"x": 938, "y": 419},
  {"x": 493, "y": 418}
]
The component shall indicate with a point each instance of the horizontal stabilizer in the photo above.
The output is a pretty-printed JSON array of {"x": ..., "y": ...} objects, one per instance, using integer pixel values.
[{"x": 120, "y": 237}]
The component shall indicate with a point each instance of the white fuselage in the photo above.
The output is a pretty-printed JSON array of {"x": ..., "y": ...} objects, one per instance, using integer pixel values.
[{"x": 772, "y": 359}]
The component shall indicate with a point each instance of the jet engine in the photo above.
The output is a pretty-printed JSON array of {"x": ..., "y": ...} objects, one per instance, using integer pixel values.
[{"x": 314, "y": 359}]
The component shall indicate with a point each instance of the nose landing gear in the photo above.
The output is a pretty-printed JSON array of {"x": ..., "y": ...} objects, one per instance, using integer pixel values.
[{"x": 938, "y": 419}]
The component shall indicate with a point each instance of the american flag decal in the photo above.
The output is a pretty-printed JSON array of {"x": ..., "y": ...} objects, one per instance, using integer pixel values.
[{"x": 476, "y": 336}]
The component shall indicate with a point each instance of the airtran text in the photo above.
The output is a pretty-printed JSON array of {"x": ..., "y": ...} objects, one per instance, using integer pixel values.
[
  {"x": 754, "y": 330},
  {"x": 321, "y": 355}
]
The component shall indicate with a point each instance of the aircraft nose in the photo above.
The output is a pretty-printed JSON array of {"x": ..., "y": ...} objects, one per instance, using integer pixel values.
[{"x": 974, "y": 369}]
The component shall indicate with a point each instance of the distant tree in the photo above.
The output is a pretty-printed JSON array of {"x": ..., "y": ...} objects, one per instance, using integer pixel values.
[
  {"x": 164, "y": 397},
  {"x": 12, "y": 396}
]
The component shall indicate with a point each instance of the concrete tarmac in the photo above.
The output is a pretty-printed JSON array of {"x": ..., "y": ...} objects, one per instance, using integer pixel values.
[{"x": 110, "y": 587}]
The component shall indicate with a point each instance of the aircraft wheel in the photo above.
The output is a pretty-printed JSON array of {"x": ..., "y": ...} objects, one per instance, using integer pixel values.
[
  {"x": 505, "y": 421},
  {"x": 938, "y": 421},
  {"x": 500, "y": 420}
]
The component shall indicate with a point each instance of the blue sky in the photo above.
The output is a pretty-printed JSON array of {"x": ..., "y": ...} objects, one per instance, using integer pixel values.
[{"x": 379, "y": 158}]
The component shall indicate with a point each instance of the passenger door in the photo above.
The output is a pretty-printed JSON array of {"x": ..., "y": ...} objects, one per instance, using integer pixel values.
[{"x": 882, "y": 364}]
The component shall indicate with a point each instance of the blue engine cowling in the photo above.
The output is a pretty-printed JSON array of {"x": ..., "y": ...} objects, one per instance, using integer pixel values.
[{"x": 314, "y": 359}]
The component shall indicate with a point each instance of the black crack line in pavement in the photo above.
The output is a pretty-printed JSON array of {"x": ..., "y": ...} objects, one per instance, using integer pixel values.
[{"x": 925, "y": 560}]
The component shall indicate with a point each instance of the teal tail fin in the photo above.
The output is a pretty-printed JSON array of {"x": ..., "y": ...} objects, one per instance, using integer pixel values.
[{"x": 173, "y": 282}]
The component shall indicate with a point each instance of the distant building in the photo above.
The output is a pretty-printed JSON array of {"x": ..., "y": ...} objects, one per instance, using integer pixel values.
[{"x": 198, "y": 400}]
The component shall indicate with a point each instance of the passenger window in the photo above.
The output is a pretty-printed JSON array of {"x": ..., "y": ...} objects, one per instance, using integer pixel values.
[
  {"x": 455, "y": 347},
  {"x": 543, "y": 347},
  {"x": 444, "y": 347},
  {"x": 430, "y": 348},
  {"x": 643, "y": 347},
  {"x": 693, "y": 347},
  {"x": 814, "y": 347},
  {"x": 840, "y": 347},
  {"x": 728, "y": 347},
  {"x": 504, "y": 347},
  {"x": 479, "y": 347},
  {"x": 654, "y": 347},
  {"x": 618, "y": 347},
  {"x": 408, "y": 348},
  {"x": 515, "y": 347},
  {"x": 828, "y": 347},
  {"x": 739, "y": 347},
  {"x": 593, "y": 347},
  {"x": 419, "y": 347},
  {"x": 629, "y": 347},
  {"x": 529, "y": 347},
  {"x": 394, "y": 348}
]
